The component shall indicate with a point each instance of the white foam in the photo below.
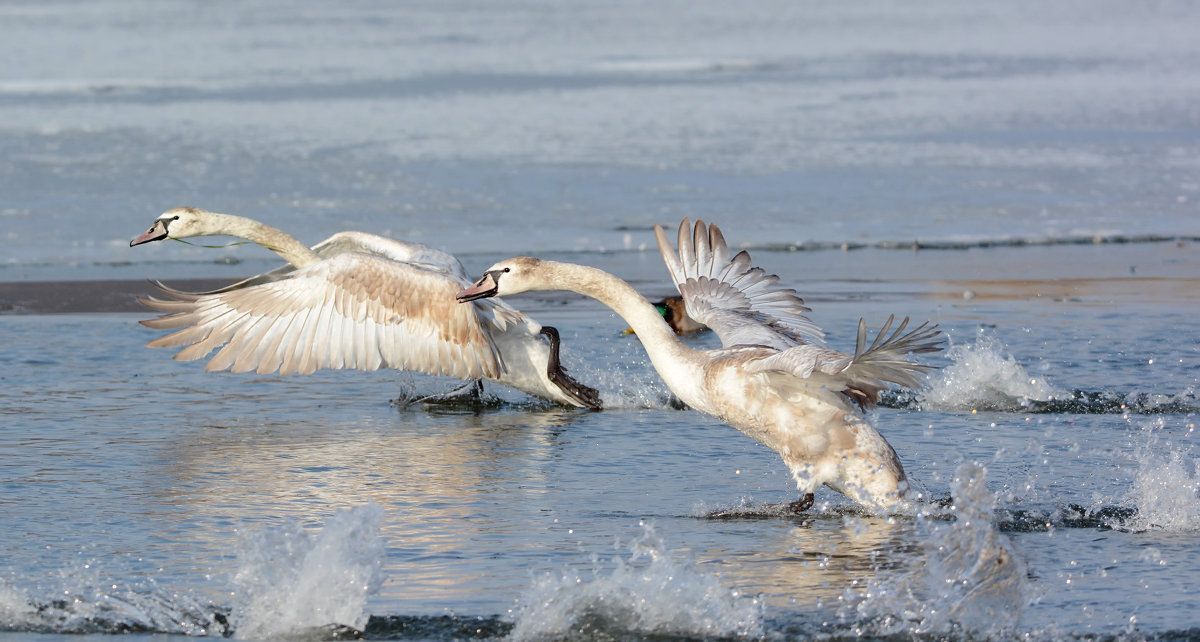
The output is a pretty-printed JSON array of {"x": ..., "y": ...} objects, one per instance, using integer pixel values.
[
  {"x": 967, "y": 576},
  {"x": 1166, "y": 488},
  {"x": 649, "y": 593},
  {"x": 289, "y": 580},
  {"x": 16, "y": 611},
  {"x": 84, "y": 601},
  {"x": 982, "y": 377}
]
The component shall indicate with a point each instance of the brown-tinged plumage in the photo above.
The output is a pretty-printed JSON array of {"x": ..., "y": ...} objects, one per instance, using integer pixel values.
[
  {"x": 353, "y": 301},
  {"x": 771, "y": 379}
]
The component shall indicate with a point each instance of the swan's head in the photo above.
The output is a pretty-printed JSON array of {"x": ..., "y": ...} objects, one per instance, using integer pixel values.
[
  {"x": 510, "y": 276},
  {"x": 179, "y": 223}
]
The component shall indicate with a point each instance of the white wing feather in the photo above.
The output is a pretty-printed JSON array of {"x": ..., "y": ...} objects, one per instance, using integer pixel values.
[
  {"x": 354, "y": 310},
  {"x": 869, "y": 371}
]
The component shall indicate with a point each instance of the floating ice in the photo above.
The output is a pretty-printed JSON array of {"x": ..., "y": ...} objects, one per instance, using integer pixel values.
[
  {"x": 649, "y": 593},
  {"x": 289, "y": 581},
  {"x": 967, "y": 577},
  {"x": 982, "y": 378}
]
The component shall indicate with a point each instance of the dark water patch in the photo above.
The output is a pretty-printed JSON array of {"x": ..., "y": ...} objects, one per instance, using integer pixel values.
[
  {"x": 435, "y": 627},
  {"x": 893, "y": 629},
  {"x": 784, "y": 511},
  {"x": 972, "y": 244},
  {"x": 1033, "y": 520},
  {"x": 67, "y": 297},
  {"x": 1077, "y": 402},
  {"x": 1069, "y": 516},
  {"x": 113, "y": 614}
]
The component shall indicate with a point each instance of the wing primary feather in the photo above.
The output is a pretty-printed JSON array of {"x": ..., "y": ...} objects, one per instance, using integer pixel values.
[
  {"x": 687, "y": 255},
  {"x": 669, "y": 256},
  {"x": 703, "y": 251}
]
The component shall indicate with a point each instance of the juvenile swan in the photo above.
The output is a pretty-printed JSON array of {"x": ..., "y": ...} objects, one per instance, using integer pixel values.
[
  {"x": 354, "y": 300},
  {"x": 771, "y": 379}
]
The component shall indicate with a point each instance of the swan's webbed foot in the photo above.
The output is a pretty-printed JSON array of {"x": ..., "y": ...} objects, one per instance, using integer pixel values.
[
  {"x": 581, "y": 394},
  {"x": 470, "y": 392},
  {"x": 802, "y": 504}
]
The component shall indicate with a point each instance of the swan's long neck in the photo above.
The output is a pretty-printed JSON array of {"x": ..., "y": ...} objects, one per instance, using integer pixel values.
[
  {"x": 274, "y": 239},
  {"x": 675, "y": 362}
]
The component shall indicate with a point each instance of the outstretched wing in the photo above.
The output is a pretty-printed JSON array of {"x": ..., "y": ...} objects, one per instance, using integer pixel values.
[
  {"x": 868, "y": 372},
  {"x": 418, "y": 255},
  {"x": 740, "y": 302},
  {"x": 354, "y": 310}
]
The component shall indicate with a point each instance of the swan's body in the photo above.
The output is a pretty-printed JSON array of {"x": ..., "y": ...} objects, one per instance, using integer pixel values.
[
  {"x": 771, "y": 380},
  {"x": 354, "y": 300}
]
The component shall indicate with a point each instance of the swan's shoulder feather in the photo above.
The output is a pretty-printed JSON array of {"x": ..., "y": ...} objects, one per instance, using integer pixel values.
[
  {"x": 740, "y": 302},
  {"x": 496, "y": 312},
  {"x": 865, "y": 374},
  {"x": 354, "y": 310}
]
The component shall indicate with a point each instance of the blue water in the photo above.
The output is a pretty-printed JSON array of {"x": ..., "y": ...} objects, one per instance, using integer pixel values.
[{"x": 1024, "y": 175}]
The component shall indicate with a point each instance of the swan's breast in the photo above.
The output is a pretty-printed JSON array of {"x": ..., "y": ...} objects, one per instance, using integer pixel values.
[{"x": 799, "y": 422}]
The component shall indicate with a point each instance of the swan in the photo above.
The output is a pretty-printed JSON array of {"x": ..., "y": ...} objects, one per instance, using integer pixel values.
[
  {"x": 772, "y": 378},
  {"x": 355, "y": 300}
]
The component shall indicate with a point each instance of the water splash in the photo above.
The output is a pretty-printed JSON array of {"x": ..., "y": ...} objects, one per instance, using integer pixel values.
[
  {"x": 967, "y": 577},
  {"x": 16, "y": 610},
  {"x": 290, "y": 581},
  {"x": 981, "y": 377},
  {"x": 648, "y": 593},
  {"x": 1166, "y": 487},
  {"x": 87, "y": 602}
]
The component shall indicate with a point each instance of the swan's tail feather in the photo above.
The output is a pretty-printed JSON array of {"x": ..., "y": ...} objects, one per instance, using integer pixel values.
[{"x": 885, "y": 359}]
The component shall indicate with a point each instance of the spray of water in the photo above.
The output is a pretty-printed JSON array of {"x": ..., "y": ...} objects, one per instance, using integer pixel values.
[
  {"x": 85, "y": 601},
  {"x": 1166, "y": 487},
  {"x": 981, "y": 377},
  {"x": 16, "y": 611},
  {"x": 647, "y": 593},
  {"x": 967, "y": 578},
  {"x": 289, "y": 580}
]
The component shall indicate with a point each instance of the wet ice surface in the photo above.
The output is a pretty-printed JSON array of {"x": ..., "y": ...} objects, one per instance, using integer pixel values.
[
  {"x": 564, "y": 129},
  {"x": 139, "y": 494}
]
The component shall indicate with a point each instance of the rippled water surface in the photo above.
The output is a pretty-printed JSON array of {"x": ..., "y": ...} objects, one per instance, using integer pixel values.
[
  {"x": 1025, "y": 175},
  {"x": 146, "y": 494}
]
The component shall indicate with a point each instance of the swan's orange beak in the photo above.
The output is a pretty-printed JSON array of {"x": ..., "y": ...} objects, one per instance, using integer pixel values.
[
  {"x": 485, "y": 287},
  {"x": 157, "y": 232}
]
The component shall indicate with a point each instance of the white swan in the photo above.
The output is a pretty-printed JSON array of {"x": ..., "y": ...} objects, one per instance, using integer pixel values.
[
  {"x": 771, "y": 379},
  {"x": 353, "y": 301}
]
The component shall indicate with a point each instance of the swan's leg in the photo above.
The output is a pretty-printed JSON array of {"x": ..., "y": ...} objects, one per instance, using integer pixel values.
[
  {"x": 583, "y": 395},
  {"x": 802, "y": 504},
  {"x": 470, "y": 391}
]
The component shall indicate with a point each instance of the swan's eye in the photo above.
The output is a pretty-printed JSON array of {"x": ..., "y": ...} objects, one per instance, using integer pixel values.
[{"x": 508, "y": 269}]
